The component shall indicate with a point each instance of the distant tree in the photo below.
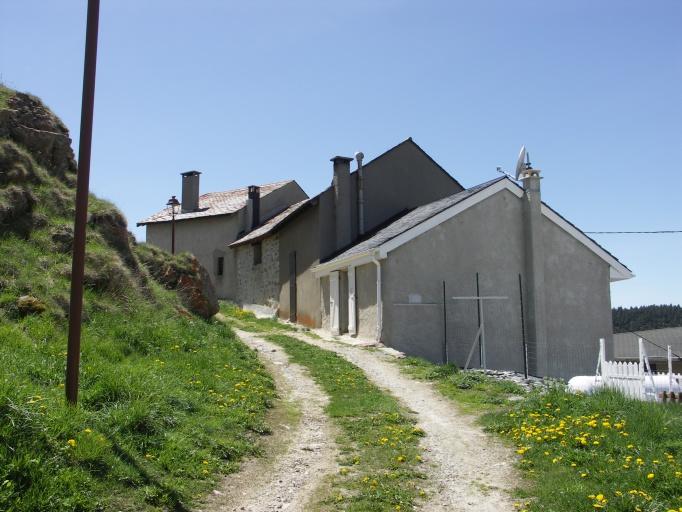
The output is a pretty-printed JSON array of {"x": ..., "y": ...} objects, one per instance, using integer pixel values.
[{"x": 641, "y": 318}]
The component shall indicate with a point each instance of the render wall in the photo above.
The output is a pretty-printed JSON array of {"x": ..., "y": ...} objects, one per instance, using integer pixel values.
[
  {"x": 402, "y": 179},
  {"x": 487, "y": 238},
  {"x": 300, "y": 235},
  {"x": 258, "y": 283},
  {"x": 207, "y": 238},
  {"x": 577, "y": 302}
]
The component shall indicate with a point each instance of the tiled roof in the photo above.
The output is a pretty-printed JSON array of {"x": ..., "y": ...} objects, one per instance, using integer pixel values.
[
  {"x": 214, "y": 203},
  {"x": 411, "y": 219},
  {"x": 625, "y": 345},
  {"x": 270, "y": 225}
]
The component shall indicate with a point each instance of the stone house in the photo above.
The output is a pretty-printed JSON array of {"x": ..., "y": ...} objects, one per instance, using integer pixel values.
[
  {"x": 206, "y": 224},
  {"x": 400, "y": 252}
]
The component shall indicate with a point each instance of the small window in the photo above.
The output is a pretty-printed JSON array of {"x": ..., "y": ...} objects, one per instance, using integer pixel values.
[
  {"x": 257, "y": 253},
  {"x": 221, "y": 265}
]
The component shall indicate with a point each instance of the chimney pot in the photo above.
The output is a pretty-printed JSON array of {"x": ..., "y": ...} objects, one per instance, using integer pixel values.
[
  {"x": 190, "y": 191},
  {"x": 253, "y": 207}
]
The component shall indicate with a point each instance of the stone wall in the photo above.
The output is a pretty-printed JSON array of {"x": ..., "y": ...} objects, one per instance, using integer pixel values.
[{"x": 258, "y": 283}]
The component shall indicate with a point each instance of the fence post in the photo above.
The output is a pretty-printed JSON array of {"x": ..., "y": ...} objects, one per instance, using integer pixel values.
[
  {"x": 600, "y": 362},
  {"x": 670, "y": 369}
]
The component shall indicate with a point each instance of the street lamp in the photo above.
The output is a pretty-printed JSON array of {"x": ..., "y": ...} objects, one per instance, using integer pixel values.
[{"x": 173, "y": 203}]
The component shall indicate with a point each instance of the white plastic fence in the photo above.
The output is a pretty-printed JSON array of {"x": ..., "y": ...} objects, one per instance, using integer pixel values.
[{"x": 636, "y": 380}]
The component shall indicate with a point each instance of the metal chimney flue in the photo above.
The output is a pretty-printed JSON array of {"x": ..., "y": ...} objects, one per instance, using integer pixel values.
[
  {"x": 190, "y": 191},
  {"x": 359, "y": 156}
]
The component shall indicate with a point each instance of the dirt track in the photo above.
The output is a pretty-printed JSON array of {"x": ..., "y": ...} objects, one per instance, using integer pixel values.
[
  {"x": 469, "y": 470},
  {"x": 300, "y": 455}
]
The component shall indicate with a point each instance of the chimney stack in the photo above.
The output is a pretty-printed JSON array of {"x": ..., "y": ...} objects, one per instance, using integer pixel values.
[
  {"x": 342, "y": 201},
  {"x": 190, "y": 191},
  {"x": 535, "y": 272},
  {"x": 253, "y": 208}
]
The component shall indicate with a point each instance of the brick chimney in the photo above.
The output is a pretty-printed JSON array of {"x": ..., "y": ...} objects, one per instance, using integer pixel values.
[
  {"x": 253, "y": 208},
  {"x": 342, "y": 201},
  {"x": 190, "y": 191}
]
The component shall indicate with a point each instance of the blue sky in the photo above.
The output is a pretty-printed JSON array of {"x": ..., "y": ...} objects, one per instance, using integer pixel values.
[{"x": 258, "y": 91}]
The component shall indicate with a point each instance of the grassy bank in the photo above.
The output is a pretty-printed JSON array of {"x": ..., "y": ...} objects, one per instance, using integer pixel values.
[
  {"x": 167, "y": 404},
  {"x": 378, "y": 439},
  {"x": 577, "y": 452}
]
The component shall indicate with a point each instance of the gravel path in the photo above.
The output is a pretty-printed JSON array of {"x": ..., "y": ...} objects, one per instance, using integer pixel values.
[
  {"x": 304, "y": 455},
  {"x": 468, "y": 470}
]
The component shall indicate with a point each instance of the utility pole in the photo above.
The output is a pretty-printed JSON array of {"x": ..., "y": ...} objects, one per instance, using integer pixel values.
[{"x": 82, "y": 190}]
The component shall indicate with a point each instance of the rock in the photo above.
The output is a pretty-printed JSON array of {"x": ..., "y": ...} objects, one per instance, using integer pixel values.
[
  {"x": 183, "y": 273},
  {"x": 197, "y": 292},
  {"x": 62, "y": 237},
  {"x": 29, "y": 123},
  {"x": 30, "y": 305}
]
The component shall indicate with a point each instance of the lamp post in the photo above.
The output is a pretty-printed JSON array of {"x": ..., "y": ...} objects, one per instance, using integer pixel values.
[{"x": 173, "y": 203}]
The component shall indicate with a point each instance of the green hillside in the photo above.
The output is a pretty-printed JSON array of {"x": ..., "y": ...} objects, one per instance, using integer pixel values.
[{"x": 169, "y": 401}]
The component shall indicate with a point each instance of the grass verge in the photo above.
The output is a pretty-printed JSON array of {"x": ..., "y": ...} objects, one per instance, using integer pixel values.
[
  {"x": 378, "y": 440},
  {"x": 602, "y": 451},
  {"x": 473, "y": 391}
]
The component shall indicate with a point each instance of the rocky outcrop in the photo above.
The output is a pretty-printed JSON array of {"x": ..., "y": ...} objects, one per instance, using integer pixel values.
[
  {"x": 184, "y": 274},
  {"x": 29, "y": 305},
  {"x": 113, "y": 227},
  {"x": 29, "y": 123}
]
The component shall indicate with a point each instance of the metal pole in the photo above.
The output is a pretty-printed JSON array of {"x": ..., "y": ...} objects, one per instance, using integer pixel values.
[
  {"x": 82, "y": 189},
  {"x": 480, "y": 345},
  {"x": 172, "y": 229},
  {"x": 523, "y": 332},
  {"x": 445, "y": 327}
]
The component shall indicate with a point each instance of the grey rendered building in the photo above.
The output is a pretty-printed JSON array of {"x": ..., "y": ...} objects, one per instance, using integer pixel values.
[
  {"x": 206, "y": 224},
  {"x": 376, "y": 253}
]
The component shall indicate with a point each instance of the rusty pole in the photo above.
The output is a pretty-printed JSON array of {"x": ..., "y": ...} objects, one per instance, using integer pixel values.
[{"x": 82, "y": 189}]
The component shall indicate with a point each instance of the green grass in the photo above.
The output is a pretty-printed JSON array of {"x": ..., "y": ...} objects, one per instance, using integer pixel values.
[
  {"x": 473, "y": 391},
  {"x": 248, "y": 321},
  {"x": 5, "y": 94},
  {"x": 167, "y": 404},
  {"x": 600, "y": 451},
  {"x": 378, "y": 440}
]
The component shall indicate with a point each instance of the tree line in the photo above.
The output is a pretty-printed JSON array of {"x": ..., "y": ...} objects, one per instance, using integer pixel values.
[{"x": 641, "y": 318}]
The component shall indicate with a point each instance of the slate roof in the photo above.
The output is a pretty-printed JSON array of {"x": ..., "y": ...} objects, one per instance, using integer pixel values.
[
  {"x": 625, "y": 345},
  {"x": 270, "y": 225},
  {"x": 412, "y": 219},
  {"x": 215, "y": 203}
]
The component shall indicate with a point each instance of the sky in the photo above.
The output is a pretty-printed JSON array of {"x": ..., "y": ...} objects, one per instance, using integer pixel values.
[{"x": 259, "y": 91}]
